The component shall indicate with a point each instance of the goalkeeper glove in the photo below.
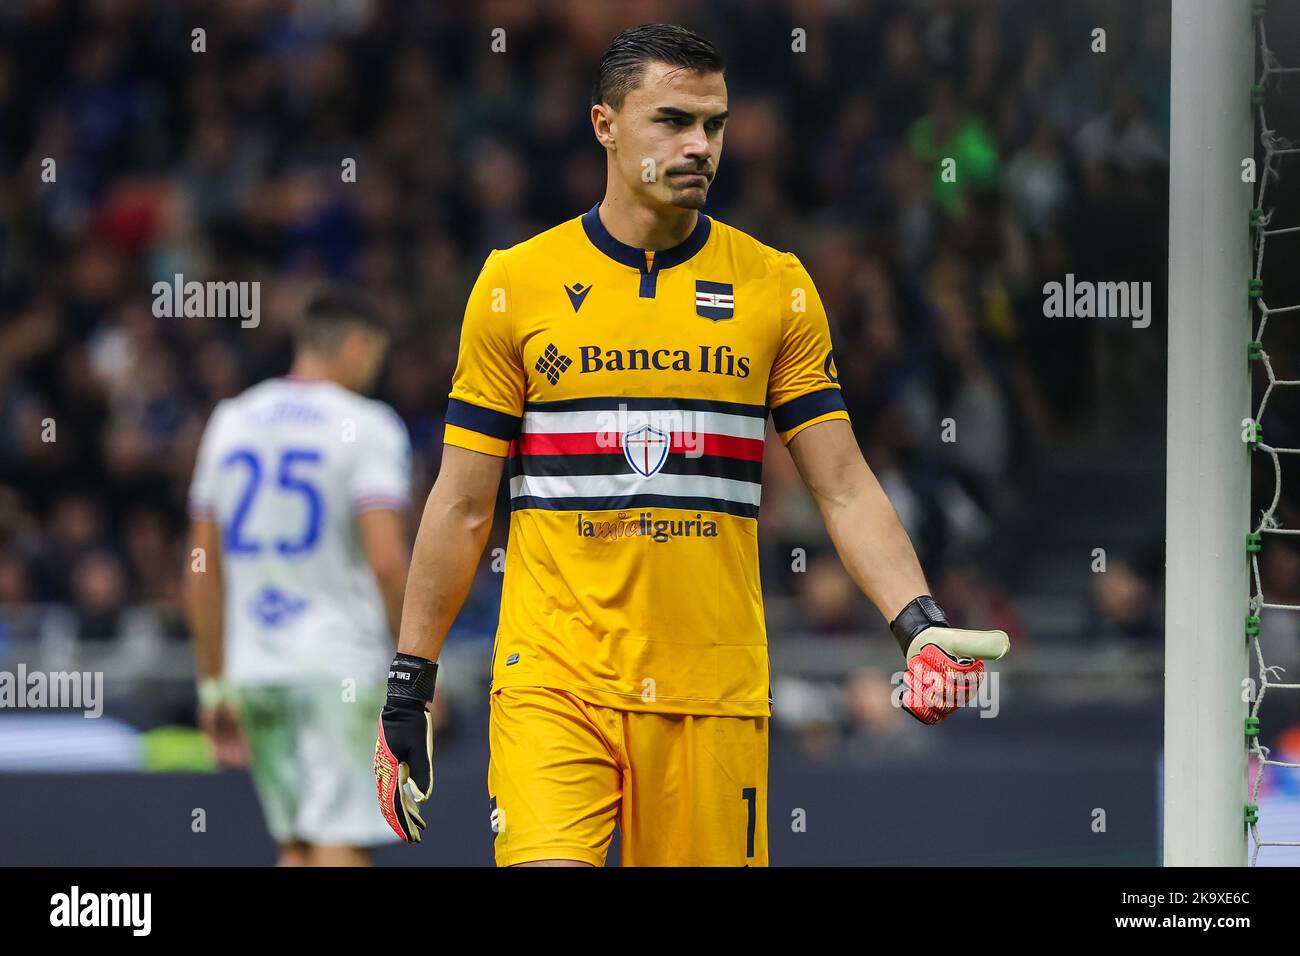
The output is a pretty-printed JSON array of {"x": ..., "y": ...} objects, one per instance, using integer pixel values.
[
  {"x": 944, "y": 665},
  {"x": 404, "y": 750}
]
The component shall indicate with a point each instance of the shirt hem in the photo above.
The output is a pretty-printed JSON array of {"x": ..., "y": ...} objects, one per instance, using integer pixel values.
[{"x": 684, "y": 706}]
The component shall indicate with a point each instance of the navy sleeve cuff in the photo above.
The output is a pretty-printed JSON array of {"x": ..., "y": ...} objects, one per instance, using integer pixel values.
[
  {"x": 807, "y": 407},
  {"x": 485, "y": 421}
]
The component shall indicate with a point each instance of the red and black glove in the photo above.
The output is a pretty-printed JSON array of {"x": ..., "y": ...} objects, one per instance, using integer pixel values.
[
  {"x": 404, "y": 750},
  {"x": 944, "y": 665}
]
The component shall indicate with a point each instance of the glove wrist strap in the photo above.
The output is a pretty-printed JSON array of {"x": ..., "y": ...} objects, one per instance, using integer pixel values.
[
  {"x": 411, "y": 678},
  {"x": 920, "y": 613},
  {"x": 212, "y": 693}
]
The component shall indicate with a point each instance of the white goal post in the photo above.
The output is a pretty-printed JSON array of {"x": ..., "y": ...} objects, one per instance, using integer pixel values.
[{"x": 1207, "y": 518}]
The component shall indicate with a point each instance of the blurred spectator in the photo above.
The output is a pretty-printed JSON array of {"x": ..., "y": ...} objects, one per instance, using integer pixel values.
[
  {"x": 876, "y": 728},
  {"x": 99, "y": 595},
  {"x": 1125, "y": 605},
  {"x": 1279, "y": 631},
  {"x": 971, "y": 599},
  {"x": 831, "y": 600},
  {"x": 1122, "y": 136},
  {"x": 957, "y": 146},
  {"x": 1036, "y": 179}
]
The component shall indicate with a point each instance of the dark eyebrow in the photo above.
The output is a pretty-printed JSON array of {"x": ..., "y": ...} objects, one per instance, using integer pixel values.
[{"x": 674, "y": 111}]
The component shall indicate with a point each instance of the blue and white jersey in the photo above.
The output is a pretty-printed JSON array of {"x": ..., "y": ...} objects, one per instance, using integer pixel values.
[{"x": 285, "y": 469}]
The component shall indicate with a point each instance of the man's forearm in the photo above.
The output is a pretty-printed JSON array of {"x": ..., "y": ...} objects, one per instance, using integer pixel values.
[
  {"x": 384, "y": 538},
  {"x": 872, "y": 542},
  {"x": 203, "y": 599},
  {"x": 453, "y": 531}
]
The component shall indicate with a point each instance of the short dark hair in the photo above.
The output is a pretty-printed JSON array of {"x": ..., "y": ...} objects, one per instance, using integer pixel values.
[
  {"x": 623, "y": 65},
  {"x": 333, "y": 312}
]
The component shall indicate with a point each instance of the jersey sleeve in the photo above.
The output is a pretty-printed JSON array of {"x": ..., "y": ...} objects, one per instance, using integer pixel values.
[
  {"x": 804, "y": 385},
  {"x": 382, "y": 476},
  {"x": 203, "y": 486},
  {"x": 487, "y": 390}
]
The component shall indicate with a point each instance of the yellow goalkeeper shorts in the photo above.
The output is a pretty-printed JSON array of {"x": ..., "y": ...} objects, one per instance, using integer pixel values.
[{"x": 684, "y": 790}]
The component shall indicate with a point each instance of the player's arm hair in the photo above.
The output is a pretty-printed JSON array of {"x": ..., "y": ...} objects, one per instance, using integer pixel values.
[
  {"x": 383, "y": 538},
  {"x": 202, "y": 596},
  {"x": 453, "y": 531},
  {"x": 862, "y": 522}
]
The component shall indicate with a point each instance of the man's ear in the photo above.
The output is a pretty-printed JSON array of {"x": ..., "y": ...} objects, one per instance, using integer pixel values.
[{"x": 602, "y": 119}]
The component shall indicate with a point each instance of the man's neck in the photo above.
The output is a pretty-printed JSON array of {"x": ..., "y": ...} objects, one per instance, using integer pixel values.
[
  {"x": 644, "y": 227},
  {"x": 313, "y": 368}
]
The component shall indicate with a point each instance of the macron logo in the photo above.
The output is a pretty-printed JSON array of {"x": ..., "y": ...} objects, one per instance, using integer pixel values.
[
  {"x": 577, "y": 294},
  {"x": 133, "y": 910}
]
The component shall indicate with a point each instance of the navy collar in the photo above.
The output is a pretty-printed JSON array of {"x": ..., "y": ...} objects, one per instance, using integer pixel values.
[{"x": 634, "y": 257}]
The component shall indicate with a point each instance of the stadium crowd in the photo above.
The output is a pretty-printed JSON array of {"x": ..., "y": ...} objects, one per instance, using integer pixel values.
[{"x": 229, "y": 164}]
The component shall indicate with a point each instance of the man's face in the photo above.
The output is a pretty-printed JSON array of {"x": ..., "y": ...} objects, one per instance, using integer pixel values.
[{"x": 666, "y": 139}]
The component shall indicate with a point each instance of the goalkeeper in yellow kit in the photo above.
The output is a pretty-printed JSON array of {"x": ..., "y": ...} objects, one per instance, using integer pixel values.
[{"x": 624, "y": 365}]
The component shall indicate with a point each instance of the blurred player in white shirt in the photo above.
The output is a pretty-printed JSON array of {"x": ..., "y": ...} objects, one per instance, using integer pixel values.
[{"x": 299, "y": 504}]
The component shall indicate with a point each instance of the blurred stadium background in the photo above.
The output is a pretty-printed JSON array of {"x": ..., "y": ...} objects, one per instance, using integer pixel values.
[{"x": 226, "y": 165}]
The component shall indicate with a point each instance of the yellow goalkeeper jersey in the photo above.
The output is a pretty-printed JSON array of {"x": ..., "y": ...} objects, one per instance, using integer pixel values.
[{"x": 629, "y": 390}]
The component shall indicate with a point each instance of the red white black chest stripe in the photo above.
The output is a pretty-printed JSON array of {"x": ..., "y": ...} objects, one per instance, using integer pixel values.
[{"x": 615, "y": 453}]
